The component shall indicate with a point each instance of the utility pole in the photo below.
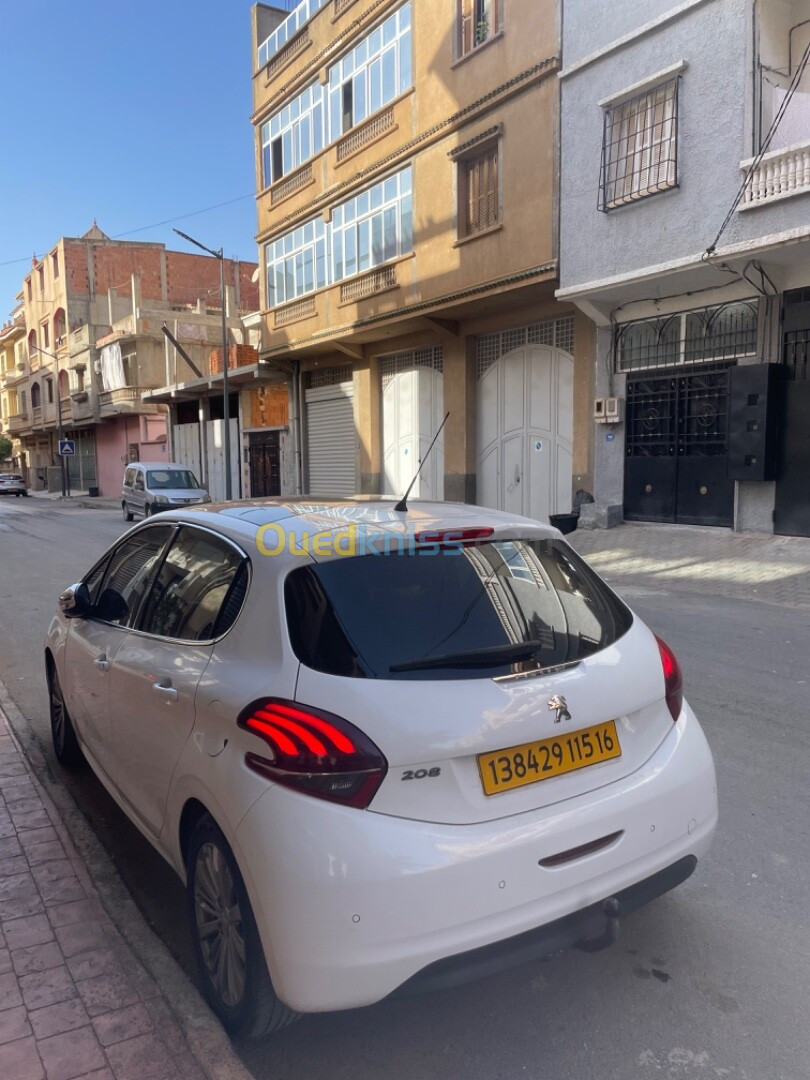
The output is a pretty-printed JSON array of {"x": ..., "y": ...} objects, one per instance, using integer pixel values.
[
  {"x": 55, "y": 358},
  {"x": 220, "y": 254}
]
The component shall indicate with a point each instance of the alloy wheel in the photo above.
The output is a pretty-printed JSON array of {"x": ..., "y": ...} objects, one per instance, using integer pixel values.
[{"x": 219, "y": 924}]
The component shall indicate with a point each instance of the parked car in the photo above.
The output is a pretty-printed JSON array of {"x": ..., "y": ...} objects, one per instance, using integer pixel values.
[
  {"x": 385, "y": 750},
  {"x": 12, "y": 484},
  {"x": 151, "y": 487}
]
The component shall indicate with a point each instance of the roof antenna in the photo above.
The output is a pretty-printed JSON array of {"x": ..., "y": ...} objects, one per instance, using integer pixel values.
[{"x": 402, "y": 505}]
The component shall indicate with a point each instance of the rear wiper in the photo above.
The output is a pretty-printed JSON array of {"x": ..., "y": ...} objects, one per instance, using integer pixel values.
[{"x": 486, "y": 657}]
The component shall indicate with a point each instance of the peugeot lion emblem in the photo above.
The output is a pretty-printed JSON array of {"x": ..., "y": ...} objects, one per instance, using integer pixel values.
[{"x": 559, "y": 705}]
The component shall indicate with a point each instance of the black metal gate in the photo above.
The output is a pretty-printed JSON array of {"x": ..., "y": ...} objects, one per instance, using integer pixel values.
[
  {"x": 676, "y": 466},
  {"x": 265, "y": 464},
  {"x": 792, "y": 508}
]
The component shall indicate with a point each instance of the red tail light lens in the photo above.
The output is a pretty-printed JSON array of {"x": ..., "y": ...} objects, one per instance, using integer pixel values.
[
  {"x": 314, "y": 752},
  {"x": 673, "y": 678}
]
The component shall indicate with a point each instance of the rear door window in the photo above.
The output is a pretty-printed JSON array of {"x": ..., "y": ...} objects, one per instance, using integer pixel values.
[
  {"x": 199, "y": 590},
  {"x": 527, "y": 604}
]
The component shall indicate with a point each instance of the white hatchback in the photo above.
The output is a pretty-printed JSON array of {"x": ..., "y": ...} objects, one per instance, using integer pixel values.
[{"x": 385, "y": 750}]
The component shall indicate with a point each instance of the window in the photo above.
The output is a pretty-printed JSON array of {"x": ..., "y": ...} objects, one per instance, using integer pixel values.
[
  {"x": 713, "y": 334},
  {"x": 288, "y": 29},
  {"x": 36, "y": 396},
  {"x": 293, "y": 135},
  {"x": 199, "y": 590},
  {"x": 373, "y": 227},
  {"x": 29, "y": 288},
  {"x": 41, "y": 273},
  {"x": 477, "y": 23},
  {"x": 59, "y": 326},
  {"x": 297, "y": 263},
  {"x": 377, "y": 70},
  {"x": 55, "y": 264},
  {"x": 32, "y": 345},
  {"x": 639, "y": 148},
  {"x": 46, "y": 335},
  {"x": 478, "y": 191},
  {"x": 129, "y": 576},
  {"x": 398, "y": 615},
  {"x": 49, "y": 390}
]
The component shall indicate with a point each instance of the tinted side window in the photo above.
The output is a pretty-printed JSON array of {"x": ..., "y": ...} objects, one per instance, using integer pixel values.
[
  {"x": 199, "y": 589},
  {"x": 130, "y": 573},
  {"x": 138, "y": 483},
  {"x": 129, "y": 477}
]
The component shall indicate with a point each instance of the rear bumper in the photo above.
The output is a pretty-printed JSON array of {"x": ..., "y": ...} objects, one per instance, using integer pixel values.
[
  {"x": 351, "y": 905},
  {"x": 589, "y": 925}
]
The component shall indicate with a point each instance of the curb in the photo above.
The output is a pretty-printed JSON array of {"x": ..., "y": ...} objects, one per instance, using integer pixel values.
[{"x": 210, "y": 1046}]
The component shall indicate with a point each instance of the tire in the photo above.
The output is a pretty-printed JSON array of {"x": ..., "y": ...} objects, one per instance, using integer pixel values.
[
  {"x": 128, "y": 515},
  {"x": 236, "y": 982},
  {"x": 18, "y": 493},
  {"x": 65, "y": 744}
]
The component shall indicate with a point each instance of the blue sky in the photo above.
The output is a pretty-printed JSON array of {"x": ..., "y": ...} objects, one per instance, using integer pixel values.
[{"x": 129, "y": 113}]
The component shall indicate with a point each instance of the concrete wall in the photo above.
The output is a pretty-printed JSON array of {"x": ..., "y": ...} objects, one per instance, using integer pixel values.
[{"x": 113, "y": 439}]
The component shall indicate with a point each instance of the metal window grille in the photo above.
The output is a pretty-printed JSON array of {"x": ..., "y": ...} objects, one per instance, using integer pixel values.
[
  {"x": 795, "y": 354},
  {"x": 396, "y": 363},
  {"x": 559, "y": 333},
  {"x": 481, "y": 184},
  {"x": 328, "y": 376},
  {"x": 640, "y": 146},
  {"x": 707, "y": 335}
]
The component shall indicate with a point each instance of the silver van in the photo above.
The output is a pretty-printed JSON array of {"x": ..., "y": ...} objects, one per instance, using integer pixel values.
[{"x": 152, "y": 486}]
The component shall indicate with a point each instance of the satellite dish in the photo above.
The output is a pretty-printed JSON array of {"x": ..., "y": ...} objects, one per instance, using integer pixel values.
[{"x": 255, "y": 275}]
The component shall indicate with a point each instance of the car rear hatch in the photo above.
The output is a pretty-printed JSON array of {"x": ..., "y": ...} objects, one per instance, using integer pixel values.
[{"x": 496, "y": 677}]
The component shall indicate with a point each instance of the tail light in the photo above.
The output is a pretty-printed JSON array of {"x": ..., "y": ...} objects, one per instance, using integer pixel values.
[
  {"x": 313, "y": 752},
  {"x": 673, "y": 678}
]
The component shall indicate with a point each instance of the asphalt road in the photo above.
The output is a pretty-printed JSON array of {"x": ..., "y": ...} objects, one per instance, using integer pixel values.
[{"x": 711, "y": 981}]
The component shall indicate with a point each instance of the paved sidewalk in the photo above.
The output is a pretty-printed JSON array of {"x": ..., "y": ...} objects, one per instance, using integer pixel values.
[
  {"x": 746, "y": 566},
  {"x": 74, "y": 1000}
]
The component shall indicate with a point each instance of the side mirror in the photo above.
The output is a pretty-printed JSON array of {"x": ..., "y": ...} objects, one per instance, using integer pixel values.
[{"x": 74, "y": 603}]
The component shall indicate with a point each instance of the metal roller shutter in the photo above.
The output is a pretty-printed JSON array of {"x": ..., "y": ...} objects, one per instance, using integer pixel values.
[{"x": 331, "y": 440}]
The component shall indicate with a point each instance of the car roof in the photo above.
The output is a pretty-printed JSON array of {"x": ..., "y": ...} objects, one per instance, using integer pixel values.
[
  {"x": 157, "y": 465},
  {"x": 300, "y": 515}
]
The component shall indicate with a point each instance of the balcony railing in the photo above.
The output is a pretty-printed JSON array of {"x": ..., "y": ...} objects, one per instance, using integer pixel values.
[
  {"x": 375, "y": 282},
  {"x": 124, "y": 395},
  {"x": 36, "y": 415},
  {"x": 292, "y": 184},
  {"x": 365, "y": 134},
  {"x": 17, "y": 422},
  {"x": 779, "y": 174}
]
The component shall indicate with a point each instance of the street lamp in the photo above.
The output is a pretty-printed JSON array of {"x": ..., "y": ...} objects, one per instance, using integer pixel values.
[
  {"x": 65, "y": 490},
  {"x": 220, "y": 254}
]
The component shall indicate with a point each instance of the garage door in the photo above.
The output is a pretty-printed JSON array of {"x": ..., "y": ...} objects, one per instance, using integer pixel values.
[{"x": 331, "y": 440}]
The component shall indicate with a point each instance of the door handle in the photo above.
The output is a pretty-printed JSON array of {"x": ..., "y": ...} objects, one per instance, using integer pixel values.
[
  {"x": 102, "y": 663},
  {"x": 168, "y": 692}
]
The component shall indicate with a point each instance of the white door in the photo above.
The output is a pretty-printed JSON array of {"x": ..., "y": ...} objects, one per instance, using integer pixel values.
[
  {"x": 186, "y": 448},
  {"x": 412, "y": 403},
  {"x": 216, "y": 458},
  {"x": 525, "y": 432},
  {"x": 331, "y": 441}
]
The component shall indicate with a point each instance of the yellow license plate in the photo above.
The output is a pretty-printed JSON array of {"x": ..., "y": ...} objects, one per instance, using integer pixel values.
[{"x": 531, "y": 762}]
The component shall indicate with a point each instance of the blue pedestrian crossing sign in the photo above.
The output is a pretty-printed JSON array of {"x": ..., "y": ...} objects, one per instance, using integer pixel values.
[{"x": 67, "y": 447}]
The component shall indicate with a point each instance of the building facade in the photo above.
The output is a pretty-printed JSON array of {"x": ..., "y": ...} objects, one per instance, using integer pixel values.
[
  {"x": 93, "y": 311},
  {"x": 685, "y": 236},
  {"x": 13, "y": 401},
  {"x": 406, "y": 156}
]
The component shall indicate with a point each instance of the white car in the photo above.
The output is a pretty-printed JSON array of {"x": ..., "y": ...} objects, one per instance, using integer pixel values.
[
  {"x": 12, "y": 484},
  {"x": 385, "y": 750}
]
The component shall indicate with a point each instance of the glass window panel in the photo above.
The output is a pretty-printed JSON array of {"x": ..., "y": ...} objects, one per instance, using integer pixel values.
[
  {"x": 335, "y": 114},
  {"x": 389, "y": 75},
  {"x": 362, "y": 204},
  {"x": 361, "y": 53},
  {"x": 287, "y": 150},
  {"x": 404, "y": 17},
  {"x": 391, "y": 188},
  {"x": 348, "y": 65},
  {"x": 288, "y": 243},
  {"x": 405, "y": 225},
  {"x": 267, "y": 173},
  {"x": 405, "y": 180},
  {"x": 350, "y": 211},
  {"x": 334, "y": 75},
  {"x": 279, "y": 273},
  {"x": 405, "y": 69},
  {"x": 295, "y": 108},
  {"x": 376, "y": 240},
  {"x": 376, "y": 196},
  {"x": 364, "y": 245},
  {"x": 359, "y": 92},
  {"x": 389, "y": 29},
  {"x": 309, "y": 269},
  {"x": 390, "y": 234},
  {"x": 317, "y": 129},
  {"x": 374, "y": 86},
  {"x": 285, "y": 116},
  {"x": 275, "y": 125},
  {"x": 320, "y": 264},
  {"x": 309, "y": 232},
  {"x": 299, "y": 273},
  {"x": 305, "y": 137},
  {"x": 337, "y": 217},
  {"x": 129, "y": 577},
  {"x": 289, "y": 278},
  {"x": 351, "y": 252},
  {"x": 375, "y": 42},
  {"x": 338, "y": 256}
]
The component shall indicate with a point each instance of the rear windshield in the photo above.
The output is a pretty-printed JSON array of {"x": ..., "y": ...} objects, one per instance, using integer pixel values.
[
  {"x": 168, "y": 479},
  {"x": 429, "y": 615}
]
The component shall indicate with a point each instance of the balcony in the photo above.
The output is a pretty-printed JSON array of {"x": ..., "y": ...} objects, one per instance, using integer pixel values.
[
  {"x": 18, "y": 423},
  {"x": 124, "y": 399},
  {"x": 779, "y": 175}
]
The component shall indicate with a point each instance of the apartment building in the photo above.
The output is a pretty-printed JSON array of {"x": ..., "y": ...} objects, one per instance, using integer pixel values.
[
  {"x": 406, "y": 156},
  {"x": 685, "y": 236},
  {"x": 93, "y": 311},
  {"x": 13, "y": 401}
]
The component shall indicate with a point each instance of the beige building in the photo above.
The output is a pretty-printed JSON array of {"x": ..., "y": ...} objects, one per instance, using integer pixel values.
[
  {"x": 406, "y": 156},
  {"x": 14, "y": 416}
]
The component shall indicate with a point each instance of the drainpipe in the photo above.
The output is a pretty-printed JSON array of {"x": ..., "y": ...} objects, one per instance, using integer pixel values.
[{"x": 298, "y": 398}]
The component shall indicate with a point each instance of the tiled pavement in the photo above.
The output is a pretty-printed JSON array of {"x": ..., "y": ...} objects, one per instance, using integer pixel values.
[{"x": 74, "y": 1000}]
